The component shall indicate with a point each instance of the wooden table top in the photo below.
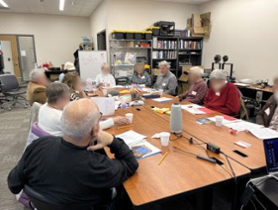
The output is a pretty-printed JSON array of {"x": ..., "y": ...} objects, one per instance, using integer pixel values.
[
  {"x": 179, "y": 172},
  {"x": 257, "y": 87},
  {"x": 219, "y": 136}
]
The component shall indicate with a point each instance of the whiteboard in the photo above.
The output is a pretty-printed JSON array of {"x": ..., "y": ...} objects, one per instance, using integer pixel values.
[{"x": 90, "y": 63}]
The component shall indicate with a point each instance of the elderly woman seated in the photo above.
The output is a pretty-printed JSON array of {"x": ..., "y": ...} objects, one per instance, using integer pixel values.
[
  {"x": 167, "y": 81},
  {"x": 37, "y": 87},
  {"x": 268, "y": 116},
  {"x": 105, "y": 79},
  {"x": 222, "y": 96},
  {"x": 140, "y": 76},
  {"x": 198, "y": 88}
]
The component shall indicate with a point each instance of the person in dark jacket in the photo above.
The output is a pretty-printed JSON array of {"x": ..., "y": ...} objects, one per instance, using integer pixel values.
[
  {"x": 268, "y": 116},
  {"x": 69, "y": 170}
]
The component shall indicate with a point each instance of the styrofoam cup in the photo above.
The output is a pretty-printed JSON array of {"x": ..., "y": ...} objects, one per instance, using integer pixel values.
[
  {"x": 104, "y": 91},
  {"x": 164, "y": 138},
  {"x": 160, "y": 92},
  {"x": 129, "y": 116},
  {"x": 219, "y": 120}
]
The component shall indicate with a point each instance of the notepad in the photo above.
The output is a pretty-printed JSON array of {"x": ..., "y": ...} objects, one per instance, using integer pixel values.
[
  {"x": 162, "y": 99},
  {"x": 264, "y": 133}
]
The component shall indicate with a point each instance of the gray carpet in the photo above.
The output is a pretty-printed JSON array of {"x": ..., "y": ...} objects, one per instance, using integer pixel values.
[{"x": 14, "y": 128}]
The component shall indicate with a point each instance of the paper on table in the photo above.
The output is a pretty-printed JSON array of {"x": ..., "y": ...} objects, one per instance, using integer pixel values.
[
  {"x": 242, "y": 125},
  {"x": 106, "y": 105},
  {"x": 242, "y": 84},
  {"x": 162, "y": 99},
  {"x": 154, "y": 150},
  {"x": 264, "y": 133},
  {"x": 226, "y": 120},
  {"x": 131, "y": 138},
  {"x": 193, "y": 109}
]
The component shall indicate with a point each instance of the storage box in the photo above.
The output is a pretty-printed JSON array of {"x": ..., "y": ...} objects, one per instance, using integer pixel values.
[
  {"x": 129, "y": 44},
  {"x": 147, "y": 35},
  {"x": 118, "y": 34},
  {"x": 193, "y": 25},
  {"x": 166, "y": 28},
  {"x": 155, "y": 71},
  {"x": 196, "y": 20},
  {"x": 154, "y": 30},
  {"x": 138, "y": 35},
  {"x": 129, "y": 35}
]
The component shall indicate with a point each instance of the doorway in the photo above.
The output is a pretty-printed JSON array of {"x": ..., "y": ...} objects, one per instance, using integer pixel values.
[
  {"x": 19, "y": 55},
  {"x": 101, "y": 40}
]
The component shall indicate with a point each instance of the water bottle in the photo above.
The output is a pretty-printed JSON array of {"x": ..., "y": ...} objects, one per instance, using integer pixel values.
[{"x": 176, "y": 118}]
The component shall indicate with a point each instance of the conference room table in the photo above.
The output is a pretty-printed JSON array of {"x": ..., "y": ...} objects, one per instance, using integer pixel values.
[
  {"x": 179, "y": 174},
  {"x": 252, "y": 157}
]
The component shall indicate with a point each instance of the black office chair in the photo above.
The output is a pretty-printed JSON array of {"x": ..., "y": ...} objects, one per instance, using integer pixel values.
[
  {"x": 40, "y": 202},
  {"x": 11, "y": 90}
]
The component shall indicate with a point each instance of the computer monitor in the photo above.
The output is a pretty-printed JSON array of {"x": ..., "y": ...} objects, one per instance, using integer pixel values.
[{"x": 271, "y": 155}]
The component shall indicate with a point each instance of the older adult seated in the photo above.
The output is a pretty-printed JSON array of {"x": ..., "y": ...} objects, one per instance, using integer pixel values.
[
  {"x": 58, "y": 96},
  {"x": 140, "y": 76},
  {"x": 198, "y": 88},
  {"x": 68, "y": 170},
  {"x": 105, "y": 79},
  {"x": 167, "y": 80},
  {"x": 268, "y": 116},
  {"x": 73, "y": 81},
  {"x": 222, "y": 96},
  {"x": 37, "y": 87}
]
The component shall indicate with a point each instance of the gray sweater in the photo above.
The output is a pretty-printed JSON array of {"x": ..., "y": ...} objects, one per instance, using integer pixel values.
[{"x": 167, "y": 82}]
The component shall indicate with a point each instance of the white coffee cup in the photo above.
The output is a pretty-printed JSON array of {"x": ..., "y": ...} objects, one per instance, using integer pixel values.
[
  {"x": 129, "y": 116},
  {"x": 160, "y": 92},
  {"x": 164, "y": 138},
  {"x": 104, "y": 91},
  {"x": 219, "y": 120}
]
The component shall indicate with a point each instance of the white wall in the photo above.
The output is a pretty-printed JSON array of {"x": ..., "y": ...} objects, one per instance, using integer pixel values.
[
  {"x": 56, "y": 37},
  {"x": 98, "y": 20},
  {"x": 247, "y": 31},
  {"x": 140, "y": 14}
]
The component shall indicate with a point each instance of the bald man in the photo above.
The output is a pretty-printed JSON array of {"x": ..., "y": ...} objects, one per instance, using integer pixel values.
[{"x": 68, "y": 170}]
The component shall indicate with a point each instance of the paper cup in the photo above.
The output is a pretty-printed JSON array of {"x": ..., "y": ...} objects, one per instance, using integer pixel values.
[
  {"x": 164, "y": 138},
  {"x": 129, "y": 116},
  {"x": 219, "y": 120},
  {"x": 104, "y": 91},
  {"x": 160, "y": 92}
]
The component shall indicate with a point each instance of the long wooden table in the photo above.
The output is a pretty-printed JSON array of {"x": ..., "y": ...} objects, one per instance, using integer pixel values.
[
  {"x": 219, "y": 136},
  {"x": 179, "y": 174}
]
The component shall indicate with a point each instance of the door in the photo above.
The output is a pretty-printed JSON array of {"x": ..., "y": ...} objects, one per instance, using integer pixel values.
[
  {"x": 101, "y": 40},
  {"x": 7, "y": 56},
  {"x": 15, "y": 60},
  {"x": 27, "y": 55}
]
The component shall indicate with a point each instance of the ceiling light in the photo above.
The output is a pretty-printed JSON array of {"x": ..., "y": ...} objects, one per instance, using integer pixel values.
[
  {"x": 3, "y": 3},
  {"x": 62, "y": 5}
]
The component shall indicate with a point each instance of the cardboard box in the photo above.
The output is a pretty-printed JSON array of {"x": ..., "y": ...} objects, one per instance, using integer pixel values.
[
  {"x": 129, "y": 44},
  {"x": 155, "y": 71},
  {"x": 184, "y": 75},
  {"x": 196, "y": 20},
  {"x": 197, "y": 30}
]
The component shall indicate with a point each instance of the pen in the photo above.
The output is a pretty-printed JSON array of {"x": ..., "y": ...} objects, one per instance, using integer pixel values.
[
  {"x": 163, "y": 157},
  {"x": 127, "y": 126}
]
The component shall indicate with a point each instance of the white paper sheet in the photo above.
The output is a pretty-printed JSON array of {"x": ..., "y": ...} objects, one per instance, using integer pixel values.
[
  {"x": 264, "y": 133},
  {"x": 132, "y": 138},
  {"x": 225, "y": 121},
  {"x": 193, "y": 109},
  {"x": 242, "y": 126},
  {"x": 106, "y": 105},
  {"x": 162, "y": 99}
]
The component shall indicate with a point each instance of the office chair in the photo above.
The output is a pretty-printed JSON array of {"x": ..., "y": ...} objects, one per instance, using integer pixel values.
[
  {"x": 11, "y": 90},
  {"x": 122, "y": 81},
  {"x": 40, "y": 202}
]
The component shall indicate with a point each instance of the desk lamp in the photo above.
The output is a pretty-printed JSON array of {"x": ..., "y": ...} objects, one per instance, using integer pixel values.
[
  {"x": 217, "y": 60},
  {"x": 225, "y": 59}
]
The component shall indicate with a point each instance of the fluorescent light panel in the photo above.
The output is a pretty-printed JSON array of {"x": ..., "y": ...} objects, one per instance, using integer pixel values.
[
  {"x": 4, "y": 4},
  {"x": 62, "y": 5}
]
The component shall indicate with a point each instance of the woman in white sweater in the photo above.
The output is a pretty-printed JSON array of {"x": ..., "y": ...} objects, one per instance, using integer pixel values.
[{"x": 105, "y": 79}]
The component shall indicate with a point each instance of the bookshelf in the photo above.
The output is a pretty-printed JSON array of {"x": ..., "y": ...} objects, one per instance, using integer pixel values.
[{"x": 165, "y": 48}]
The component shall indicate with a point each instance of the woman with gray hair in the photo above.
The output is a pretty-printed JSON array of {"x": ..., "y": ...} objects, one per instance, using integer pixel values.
[
  {"x": 198, "y": 88},
  {"x": 222, "y": 96},
  {"x": 37, "y": 87},
  {"x": 105, "y": 79},
  {"x": 167, "y": 81}
]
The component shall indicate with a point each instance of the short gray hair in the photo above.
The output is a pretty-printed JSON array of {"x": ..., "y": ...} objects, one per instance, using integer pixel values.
[
  {"x": 198, "y": 71},
  {"x": 217, "y": 74},
  {"x": 56, "y": 90},
  {"x": 36, "y": 73},
  {"x": 79, "y": 129},
  {"x": 164, "y": 63},
  {"x": 104, "y": 65}
]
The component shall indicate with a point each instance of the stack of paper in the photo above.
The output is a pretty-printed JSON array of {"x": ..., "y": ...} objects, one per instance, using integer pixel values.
[
  {"x": 264, "y": 133},
  {"x": 138, "y": 144},
  {"x": 163, "y": 99},
  {"x": 242, "y": 126}
]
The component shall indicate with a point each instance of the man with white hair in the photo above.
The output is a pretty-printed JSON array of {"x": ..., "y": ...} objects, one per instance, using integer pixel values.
[
  {"x": 167, "y": 80},
  {"x": 198, "y": 88},
  {"x": 105, "y": 79},
  {"x": 37, "y": 87},
  {"x": 69, "y": 171},
  {"x": 222, "y": 96}
]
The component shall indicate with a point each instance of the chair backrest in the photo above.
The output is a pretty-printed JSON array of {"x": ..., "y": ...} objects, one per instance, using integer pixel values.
[
  {"x": 9, "y": 82},
  {"x": 122, "y": 81},
  {"x": 35, "y": 133},
  {"x": 34, "y": 112},
  {"x": 42, "y": 203}
]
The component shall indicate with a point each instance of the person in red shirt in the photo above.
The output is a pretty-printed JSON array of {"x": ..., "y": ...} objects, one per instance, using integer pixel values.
[{"x": 222, "y": 96}]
